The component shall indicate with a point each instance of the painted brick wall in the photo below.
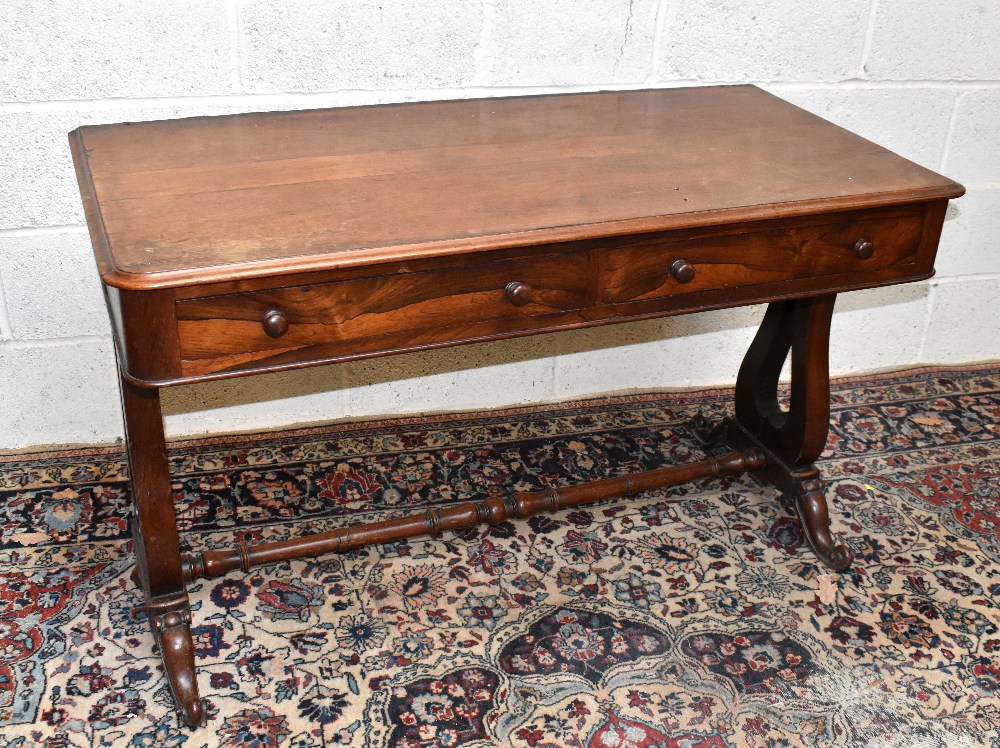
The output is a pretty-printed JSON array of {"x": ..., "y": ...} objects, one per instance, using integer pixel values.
[{"x": 920, "y": 77}]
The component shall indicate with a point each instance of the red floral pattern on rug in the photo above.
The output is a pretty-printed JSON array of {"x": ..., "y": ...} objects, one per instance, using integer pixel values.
[
  {"x": 966, "y": 494},
  {"x": 582, "y": 642},
  {"x": 694, "y": 617},
  {"x": 444, "y": 711},
  {"x": 753, "y": 661}
]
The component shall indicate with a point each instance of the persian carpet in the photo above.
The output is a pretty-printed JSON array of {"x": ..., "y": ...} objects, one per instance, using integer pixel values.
[{"x": 695, "y": 617}]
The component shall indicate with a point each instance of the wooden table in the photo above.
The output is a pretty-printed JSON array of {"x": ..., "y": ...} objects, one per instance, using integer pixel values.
[{"x": 235, "y": 245}]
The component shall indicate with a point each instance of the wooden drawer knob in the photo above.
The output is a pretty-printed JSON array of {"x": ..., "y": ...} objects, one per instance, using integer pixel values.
[
  {"x": 683, "y": 271},
  {"x": 275, "y": 323},
  {"x": 518, "y": 293},
  {"x": 863, "y": 248}
]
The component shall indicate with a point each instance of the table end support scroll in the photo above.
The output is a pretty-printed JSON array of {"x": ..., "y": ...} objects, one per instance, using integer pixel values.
[
  {"x": 791, "y": 438},
  {"x": 172, "y": 628}
]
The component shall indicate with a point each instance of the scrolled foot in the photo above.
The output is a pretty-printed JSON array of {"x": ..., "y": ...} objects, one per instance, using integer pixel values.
[
  {"x": 193, "y": 713},
  {"x": 173, "y": 632},
  {"x": 810, "y": 503},
  {"x": 707, "y": 433}
]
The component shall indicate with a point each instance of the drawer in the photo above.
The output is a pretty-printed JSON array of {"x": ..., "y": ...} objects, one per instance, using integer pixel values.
[
  {"x": 858, "y": 248},
  {"x": 348, "y": 318}
]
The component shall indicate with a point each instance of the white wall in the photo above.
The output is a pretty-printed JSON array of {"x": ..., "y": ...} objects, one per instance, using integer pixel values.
[{"x": 920, "y": 77}]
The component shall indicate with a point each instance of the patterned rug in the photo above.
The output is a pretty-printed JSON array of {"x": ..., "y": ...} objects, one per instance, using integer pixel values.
[{"x": 692, "y": 618}]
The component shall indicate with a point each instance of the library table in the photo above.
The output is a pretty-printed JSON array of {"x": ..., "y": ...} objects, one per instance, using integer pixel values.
[{"x": 235, "y": 245}]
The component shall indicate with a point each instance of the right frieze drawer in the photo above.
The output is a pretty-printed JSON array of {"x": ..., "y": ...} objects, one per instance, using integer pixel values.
[{"x": 664, "y": 265}]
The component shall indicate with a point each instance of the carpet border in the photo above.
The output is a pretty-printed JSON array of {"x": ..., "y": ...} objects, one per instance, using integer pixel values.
[{"x": 377, "y": 423}]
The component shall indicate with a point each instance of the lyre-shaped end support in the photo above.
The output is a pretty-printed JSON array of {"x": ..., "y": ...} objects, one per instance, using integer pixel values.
[{"x": 792, "y": 439}]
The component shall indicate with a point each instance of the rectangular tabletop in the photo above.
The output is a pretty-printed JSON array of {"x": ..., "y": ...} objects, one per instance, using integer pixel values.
[{"x": 190, "y": 201}]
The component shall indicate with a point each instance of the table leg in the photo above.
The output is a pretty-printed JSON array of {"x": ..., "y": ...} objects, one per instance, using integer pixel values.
[
  {"x": 157, "y": 547},
  {"x": 790, "y": 439}
]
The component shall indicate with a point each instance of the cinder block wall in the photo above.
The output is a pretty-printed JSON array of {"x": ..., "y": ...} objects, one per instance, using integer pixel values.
[{"x": 920, "y": 77}]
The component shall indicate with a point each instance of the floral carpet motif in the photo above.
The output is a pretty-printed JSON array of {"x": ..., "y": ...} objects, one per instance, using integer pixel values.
[{"x": 694, "y": 617}]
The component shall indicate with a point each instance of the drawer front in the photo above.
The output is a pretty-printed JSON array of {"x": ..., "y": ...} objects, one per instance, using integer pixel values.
[
  {"x": 378, "y": 314},
  {"x": 642, "y": 270}
]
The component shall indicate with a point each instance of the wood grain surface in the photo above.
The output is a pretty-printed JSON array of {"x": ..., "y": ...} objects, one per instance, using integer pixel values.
[
  {"x": 247, "y": 196},
  {"x": 641, "y": 269},
  {"x": 599, "y": 281},
  {"x": 371, "y": 314}
]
